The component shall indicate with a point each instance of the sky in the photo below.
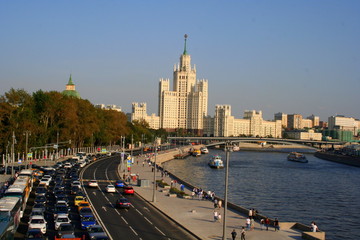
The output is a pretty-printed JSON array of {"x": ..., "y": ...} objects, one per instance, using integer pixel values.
[{"x": 272, "y": 56}]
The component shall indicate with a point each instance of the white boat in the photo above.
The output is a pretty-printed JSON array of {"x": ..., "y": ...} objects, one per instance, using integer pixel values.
[
  {"x": 216, "y": 162},
  {"x": 204, "y": 150},
  {"x": 236, "y": 148},
  {"x": 297, "y": 157}
]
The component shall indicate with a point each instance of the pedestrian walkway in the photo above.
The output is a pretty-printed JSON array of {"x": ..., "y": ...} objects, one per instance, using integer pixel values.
[{"x": 198, "y": 215}]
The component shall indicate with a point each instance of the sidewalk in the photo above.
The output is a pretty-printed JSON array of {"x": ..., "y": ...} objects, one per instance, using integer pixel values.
[{"x": 197, "y": 215}]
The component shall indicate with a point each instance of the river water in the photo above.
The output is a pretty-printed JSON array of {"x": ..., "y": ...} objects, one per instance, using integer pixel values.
[{"x": 321, "y": 191}]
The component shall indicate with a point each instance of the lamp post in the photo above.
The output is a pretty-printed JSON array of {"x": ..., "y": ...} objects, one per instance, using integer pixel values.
[
  {"x": 154, "y": 186},
  {"x": 227, "y": 149},
  {"x": 13, "y": 153},
  {"x": 57, "y": 145},
  {"x": 26, "y": 133}
]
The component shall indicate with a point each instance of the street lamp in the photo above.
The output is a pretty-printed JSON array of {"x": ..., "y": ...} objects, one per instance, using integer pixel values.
[
  {"x": 227, "y": 149},
  {"x": 154, "y": 186},
  {"x": 26, "y": 133}
]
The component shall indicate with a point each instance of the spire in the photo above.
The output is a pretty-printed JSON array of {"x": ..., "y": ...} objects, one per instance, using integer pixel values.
[
  {"x": 70, "y": 81},
  {"x": 185, "y": 36}
]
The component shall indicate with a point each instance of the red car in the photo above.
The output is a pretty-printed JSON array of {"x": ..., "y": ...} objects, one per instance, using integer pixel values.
[{"x": 128, "y": 190}]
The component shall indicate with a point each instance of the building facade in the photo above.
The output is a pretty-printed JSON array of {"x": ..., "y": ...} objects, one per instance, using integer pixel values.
[
  {"x": 139, "y": 112},
  {"x": 343, "y": 123},
  {"x": 283, "y": 117},
  {"x": 295, "y": 121},
  {"x": 185, "y": 106}
]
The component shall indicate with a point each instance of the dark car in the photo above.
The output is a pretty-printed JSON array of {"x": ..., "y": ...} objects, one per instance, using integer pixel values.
[
  {"x": 34, "y": 234},
  {"x": 60, "y": 209},
  {"x": 40, "y": 191},
  {"x": 40, "y": 199},
  {"x": 85, "y": 211},
  {"x": 122, "y": 203},
  {"x": 65, "y": 228}
]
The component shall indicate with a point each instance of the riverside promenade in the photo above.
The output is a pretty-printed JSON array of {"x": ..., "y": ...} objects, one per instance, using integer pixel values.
[{"x": 197, "y": 215}]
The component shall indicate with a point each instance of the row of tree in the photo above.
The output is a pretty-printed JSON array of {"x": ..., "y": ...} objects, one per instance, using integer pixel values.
[{"x": 50, "y": 117}]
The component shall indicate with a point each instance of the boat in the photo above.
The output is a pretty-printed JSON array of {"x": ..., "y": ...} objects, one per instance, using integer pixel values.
[
  {"x": 297, "y": 157},
  {"x": 204, "y": 150},
  {"x": 216, "y": 162},
  {"x": 235, "y": 148},
  {"x": 196, "y": 153}
]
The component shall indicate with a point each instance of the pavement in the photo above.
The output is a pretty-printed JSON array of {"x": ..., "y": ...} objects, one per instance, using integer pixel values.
[{"x": 197, "y": 215}]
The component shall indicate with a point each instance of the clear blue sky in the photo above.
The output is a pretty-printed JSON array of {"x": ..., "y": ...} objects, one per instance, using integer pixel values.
[{"x": 275, "y": 56}]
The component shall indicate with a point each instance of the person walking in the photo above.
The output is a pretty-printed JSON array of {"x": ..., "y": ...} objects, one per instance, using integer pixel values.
[
  {"x": 242, "y": 234},
  {"x": 248, "y": 222},
  {"x": 233, "y": 234},
  {"x": 262, "y": 224},
  {"x": 252, "y": 224},
  {"x": 216, "y": 215},
  {"x": 276, "y": 225},
  {"x": 267, "y": 223},
  {"x": 314, "y": 227}
]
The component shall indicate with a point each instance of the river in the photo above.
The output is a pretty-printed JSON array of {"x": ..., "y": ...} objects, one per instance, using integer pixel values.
[{"x": 321, "y": 191}]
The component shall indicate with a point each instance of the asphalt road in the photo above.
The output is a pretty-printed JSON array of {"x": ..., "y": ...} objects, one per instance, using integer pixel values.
[{"x": 141, "y": 221}]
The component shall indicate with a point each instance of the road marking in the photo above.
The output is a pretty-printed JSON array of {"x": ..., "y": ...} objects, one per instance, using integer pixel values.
[
  {"x": 148, "y": 220},
  {"x": 124, "y": 220},
  {"x": 94, "y": 193},
  {"x": 145, "y": 208},
  {"x": 139, "y": 212},
  {"x": 103, "y": 207},
  {"x": 160, "y": 231},
  {"x": 133, "y": 231}
]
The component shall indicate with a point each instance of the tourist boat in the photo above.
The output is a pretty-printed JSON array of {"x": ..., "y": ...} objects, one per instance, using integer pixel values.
[
  {"x": 235, "y": 148},
  {"x": 297, "y": 157},
  {"x": 216, "y": 162},
  {"x": 204, "y": 150},
  {"x": 196, "y": 153}
]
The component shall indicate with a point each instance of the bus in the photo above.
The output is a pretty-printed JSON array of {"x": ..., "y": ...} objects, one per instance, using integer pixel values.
[
  {"x": 27, "y": 173},
  {"x": 21, "y": 188},
  {"x": 9, "y": 217}
]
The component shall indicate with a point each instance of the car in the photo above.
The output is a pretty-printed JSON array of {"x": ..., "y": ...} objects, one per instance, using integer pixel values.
[
  {"x": 76, "y": 183},
  {"x": 34, "y": 234},
  {"x": 83, "y": 204},
  {"x": 93, "y": 183},
  {"x": 88, "y": 221},
  {"x": 119, "y": 184},
  {"x": 110, "y": 188},
  {"x": 37, "y": 213},
  {"x": 60, "y": 219},
  {"x": 61, "y": 209},
  {"x": 40, "y": 199},
  {"x": 40, "y": 191},
  {"x": 95, "y": 231},
  {"x": 74, "y": 190},
  {"x": 67, "y": 165},
  {"x": 122, "y": 203},
  {"x": 40, "y": 207},
  {"x": 85, "y": 211},
  {"x": 65, "y": 228},
  {"x": 78, "y": 199},
  {"x": 45, "y": 181},
  {"x": 128, "y": 190},
  {"x": 38, "y": 222}
]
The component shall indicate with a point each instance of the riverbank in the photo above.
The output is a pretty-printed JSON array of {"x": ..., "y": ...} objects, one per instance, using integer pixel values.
[
  {"x": 235, "y": 211},
  {"x": 348, "y": 160}
]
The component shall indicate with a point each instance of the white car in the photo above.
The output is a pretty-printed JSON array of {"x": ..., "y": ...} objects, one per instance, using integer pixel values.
[
  {"x": 38, "y": 222},
  {"x": 76, "y": 183},
  {"x": 45, "y": 181},
  {"x": 110, "y": 188},
  {"x": 93, "y": 183},
  {"x": 61, "y": 218}
]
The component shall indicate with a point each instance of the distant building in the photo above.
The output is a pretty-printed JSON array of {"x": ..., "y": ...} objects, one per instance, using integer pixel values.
[
  {"x": 295, "y": 121},
  {"x": 108, "y": 107},
  {"x": 225, "y": 125},
  {"x": 70, "y": 89},
  {"x": 307, "y": 123},
  {"x": 315, "y": 120},
  {"x": 139, "y": 112},
  {"x": 282, "y": 117},
  {"x": 304, "y": 135},
  {"x": 343, "y": 123}
]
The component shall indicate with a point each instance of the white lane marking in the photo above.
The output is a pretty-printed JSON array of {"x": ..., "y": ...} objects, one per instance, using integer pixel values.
[
  {"x": 145, "y": 208},
  {"x": 94, "y": 193},
  {"x": 124, "y": 220},
  {"x": 103, "y": 207},
  {"x": 160, "y": 231},
  {"x": 139, "y": 212},
  {"x": 148, "y": 220},
  {"x": 133, "y": 231}
]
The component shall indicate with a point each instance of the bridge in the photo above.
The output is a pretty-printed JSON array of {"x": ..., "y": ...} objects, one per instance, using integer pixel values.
[{"x": 212, "y": 141}]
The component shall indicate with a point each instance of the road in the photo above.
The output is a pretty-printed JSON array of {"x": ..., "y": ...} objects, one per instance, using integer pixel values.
[{"x": 141, "y": 221}]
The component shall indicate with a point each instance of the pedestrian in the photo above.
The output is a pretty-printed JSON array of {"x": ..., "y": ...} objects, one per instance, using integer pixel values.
[
  {"x": 250, "y": 213},
  {"x": 276, "y": 225},
  {"x": 219, "y": 217},
  {"x": 182, "y": 187},
  {"x": 216, "y": 215},
  {"x": 248, "y": 222},
  {"x": 233, "y": 234},
  {"x": 267, "y": 223},
  {"x": 219, "y": 203},
  {"x": 314, "y": 227},
  {"x": 262, "y": 224},
  {"x": 242, "y": 234},
  {"x": 252, "y": 224},
  {"x": 143, "y": 163}
]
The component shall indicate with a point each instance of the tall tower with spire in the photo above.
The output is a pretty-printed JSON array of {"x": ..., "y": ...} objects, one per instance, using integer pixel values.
[
  {"x": 70, "y": 89},
  {"x": 186, "y": 105}
]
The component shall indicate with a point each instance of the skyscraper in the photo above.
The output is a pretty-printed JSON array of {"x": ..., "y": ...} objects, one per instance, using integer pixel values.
[{"x": 186, "y": 105}]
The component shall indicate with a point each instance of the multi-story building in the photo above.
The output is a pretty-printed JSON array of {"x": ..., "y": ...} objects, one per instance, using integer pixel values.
[
  {"x": 139, "y": 112},
  {"x": 304, "y": 135},
  {"x": 307, "y": 123},
  {"x": 340, "y": 122},
  {"x": 315, "y": 120},
  {"x": 225, "y": 125},
  {"x": 283, "y": 117},
  {"x": 108, "y": 107},
  {"x": 186, "y": 105},
  {"x": 294, "y": 121}
]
